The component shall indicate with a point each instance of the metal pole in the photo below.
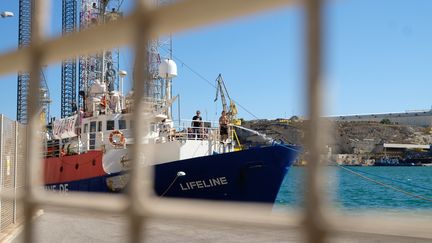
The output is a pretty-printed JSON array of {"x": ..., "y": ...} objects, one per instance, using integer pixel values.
[
  {"x": 15, "y": 172},
  {"x": 314, "y": 197},
  {"x": 168, "y": 95},
  {"x": 121, "y": 87},
  {"x": 122, "y": 105},
  {"x": 171, "y": 47},
  {"x": 1, "y": 160},
  {"x": 33, "y": 145},
  {"x": 140, "y": 177},
  {"x": 178, "y": 109}
]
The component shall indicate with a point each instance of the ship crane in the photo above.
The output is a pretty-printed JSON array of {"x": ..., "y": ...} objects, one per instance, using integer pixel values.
[{"x": 232, "y": 112}]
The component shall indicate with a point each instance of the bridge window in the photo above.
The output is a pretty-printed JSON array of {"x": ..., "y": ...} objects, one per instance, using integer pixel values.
[
  {"x": 110, "y": 125},
  {"x": 99, "y": 127},
  {"x": 121, "y": 124},
  {"x": 93, "y": 126}
]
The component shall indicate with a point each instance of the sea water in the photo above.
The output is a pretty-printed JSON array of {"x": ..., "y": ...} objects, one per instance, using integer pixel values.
[{"x": 348, "y": 191}]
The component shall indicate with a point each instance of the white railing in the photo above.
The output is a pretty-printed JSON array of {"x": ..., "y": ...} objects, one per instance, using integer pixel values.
[
  {"x": 138, "y": 205},
  {"x": 185, "y": 129}
]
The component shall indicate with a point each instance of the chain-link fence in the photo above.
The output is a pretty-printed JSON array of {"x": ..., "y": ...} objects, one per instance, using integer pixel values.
[{"x": 12, "y": 170}]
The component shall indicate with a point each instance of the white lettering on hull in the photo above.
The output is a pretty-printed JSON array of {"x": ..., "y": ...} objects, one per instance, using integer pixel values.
[
  {"x": 62, "y": 188},
  {"x": 212, "y": 182}
]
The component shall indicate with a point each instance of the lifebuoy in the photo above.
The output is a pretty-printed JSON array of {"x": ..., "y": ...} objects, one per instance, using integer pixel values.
[{"x": 117, "y": 138}]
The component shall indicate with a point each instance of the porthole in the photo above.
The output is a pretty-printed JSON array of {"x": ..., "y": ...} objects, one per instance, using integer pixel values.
[
  {"x": 61, "y": 168},
  {"x": 76, "y": 166},
  {"x": 94, "y": 162}
]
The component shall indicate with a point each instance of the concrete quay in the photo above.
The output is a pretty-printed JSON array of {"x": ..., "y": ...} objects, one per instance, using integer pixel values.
[{"x": 56, "y": 225}]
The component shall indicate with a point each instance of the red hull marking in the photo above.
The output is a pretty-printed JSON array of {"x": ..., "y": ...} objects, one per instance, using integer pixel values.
[{"x": 73, "y": 167}]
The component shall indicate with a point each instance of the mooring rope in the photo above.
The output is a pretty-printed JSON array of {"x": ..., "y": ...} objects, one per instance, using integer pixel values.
[
  {"x": 381, "y": 183},
  {"x": 394, "y": 180},
  {"x": 385, "y": 185},
  {"x": 179, "y": 174}
]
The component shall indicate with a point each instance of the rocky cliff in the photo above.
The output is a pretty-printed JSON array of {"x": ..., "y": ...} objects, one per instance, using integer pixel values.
[{"x": 345, "y": 137}]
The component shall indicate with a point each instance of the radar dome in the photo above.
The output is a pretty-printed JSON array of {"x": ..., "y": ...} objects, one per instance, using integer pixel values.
[{"x": 168, "y": 69}]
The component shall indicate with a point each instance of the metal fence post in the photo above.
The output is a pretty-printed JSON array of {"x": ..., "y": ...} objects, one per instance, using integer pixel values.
[
  {"x": 1, "y": 163},
  {"x": 315, "y": 226},
  {"x": 15, "y": 173}
]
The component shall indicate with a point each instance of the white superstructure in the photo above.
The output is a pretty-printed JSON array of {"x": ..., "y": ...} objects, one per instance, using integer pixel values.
[{"x": 109, "y": 131}]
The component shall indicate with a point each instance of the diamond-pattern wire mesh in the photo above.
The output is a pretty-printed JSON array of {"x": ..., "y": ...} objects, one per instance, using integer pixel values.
[
  {"x": 21, "y": 130},
  {"x": 8, "y": 172}
]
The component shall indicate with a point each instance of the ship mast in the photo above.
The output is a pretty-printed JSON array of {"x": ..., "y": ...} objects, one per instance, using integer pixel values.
[
  {"x": 167, "y": 68},
  {"x": 102, "y": 66}
]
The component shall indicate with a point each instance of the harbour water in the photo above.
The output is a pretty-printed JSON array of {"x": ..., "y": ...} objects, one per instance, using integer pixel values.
[{"x": 348, "y": 191}]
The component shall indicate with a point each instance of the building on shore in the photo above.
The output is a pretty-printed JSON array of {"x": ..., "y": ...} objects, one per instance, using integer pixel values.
[{"x": 352, "y": 159}]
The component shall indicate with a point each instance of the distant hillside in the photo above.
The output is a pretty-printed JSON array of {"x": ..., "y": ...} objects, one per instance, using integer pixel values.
[
  {"x": 352, "y": 135},
  {"x": 346, "y": 137}
]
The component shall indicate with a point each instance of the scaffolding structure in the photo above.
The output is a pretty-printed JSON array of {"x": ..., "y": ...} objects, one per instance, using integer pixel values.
[
  {"x": 44, "y": 99},
  {"x": 104, "y": 65},
  {"x": 69, "y": 66},
  {"x": 24, "y": 38}
]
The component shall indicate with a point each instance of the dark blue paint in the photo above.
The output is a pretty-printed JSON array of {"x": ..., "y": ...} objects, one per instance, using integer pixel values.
[{"x": 253, "y": 175}]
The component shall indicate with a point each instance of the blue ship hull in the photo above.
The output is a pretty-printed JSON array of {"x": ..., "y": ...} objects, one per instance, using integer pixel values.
[{"x": 252, "y": 175}]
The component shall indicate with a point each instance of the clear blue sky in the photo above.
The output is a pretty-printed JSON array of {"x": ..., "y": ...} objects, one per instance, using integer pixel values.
[{"x": 378, "y": 58}]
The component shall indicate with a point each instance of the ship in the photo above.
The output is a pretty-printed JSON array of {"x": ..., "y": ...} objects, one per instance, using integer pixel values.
[{"x": 90, "y": 150}]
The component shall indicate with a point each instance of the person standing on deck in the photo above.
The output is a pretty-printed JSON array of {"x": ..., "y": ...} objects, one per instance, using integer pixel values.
[
  {"x": 197, "y": 123},
  {"x": 223, "y": 126}
]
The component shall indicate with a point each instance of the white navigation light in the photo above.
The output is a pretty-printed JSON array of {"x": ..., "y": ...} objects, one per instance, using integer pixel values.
[
  {"x": 168, "y": 69},
  {"x": 181, "y": 173},
  {"x": 122, "y": 73},
  {"x": 6, "y": 14}
]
